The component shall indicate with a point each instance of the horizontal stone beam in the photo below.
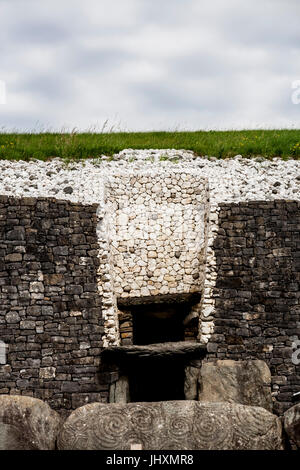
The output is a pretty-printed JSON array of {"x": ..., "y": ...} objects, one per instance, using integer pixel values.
[
  {"x": 181, "y": 349},
  {"x": 190, "y": 298}
]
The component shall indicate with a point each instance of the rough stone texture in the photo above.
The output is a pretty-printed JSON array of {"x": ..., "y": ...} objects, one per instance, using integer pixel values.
[
  {"x": 191, "y": 379},
  {"x": 173, "y": 425},
  {"x": 119, "y": 391},
  {"x": 291, "y": 420},
  {"x": 27, "y": 424},
  {"x": 243, "y": 382},
  {"x": 155, "y": 351},
  {"x": 2, "y": 353},
  {"x": 106, "y": 289},
  {"x": 255, "y": 297},
  {"x": 50, "y": 309},
  {"x": 52, "y": 255},
  {"x": 230, "y": 180},
  {"x": 157, "y": 226}
]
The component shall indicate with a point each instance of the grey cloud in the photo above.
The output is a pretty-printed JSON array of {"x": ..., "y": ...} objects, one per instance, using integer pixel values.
[
  {"x": 49, "y": 87},
  {"x": 217, "y": 61},
  {"x": 166, "y": 12},
  {"x": 175, "y": 97},
  {"x": 283, "y": 104},
  {"x": 22, "y": 122},
  {"x": 200, "y": 65},
  {"x": 216, "y": 64},
  {"x": 273, "y": 24},
  {"x": 40, "y": 32},
  {"x": 87, "y": 61}
]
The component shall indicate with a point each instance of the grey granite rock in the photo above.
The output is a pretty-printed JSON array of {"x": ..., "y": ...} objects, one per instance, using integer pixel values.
[
  {"x": 243, "y": 382},
  {"x": 291, "y": 419},
  {"x": 27, "y": 424},
  {"x": 172, "y": 425}
]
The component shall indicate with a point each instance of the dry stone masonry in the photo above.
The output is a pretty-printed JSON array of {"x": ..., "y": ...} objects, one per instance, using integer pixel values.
[
  {"x": 50, "y": 308},
  {"x": 150, "y": 230},
  {"x": 255, "y": 296},
  {"x": 156, "y": 223},
  {"x": 158, "y": 227}
]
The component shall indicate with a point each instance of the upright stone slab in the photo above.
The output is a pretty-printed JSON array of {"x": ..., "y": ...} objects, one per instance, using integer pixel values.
[
  {"x": 244, "y": 382},
  {"x": 291, "y": 419},
  {"x": 27, "y": 424}
]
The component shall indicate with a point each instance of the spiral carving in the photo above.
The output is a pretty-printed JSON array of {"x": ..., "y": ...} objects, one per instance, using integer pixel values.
[
  {"x": 75, "y": 436},
  {"x": 211, "y": 430},
  {"x": 143, "y": 417},
  {"x": 110, "y": 428},
  {"x": 177, "y": 425}
]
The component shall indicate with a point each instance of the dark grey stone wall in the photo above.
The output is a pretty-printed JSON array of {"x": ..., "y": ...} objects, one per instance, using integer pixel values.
[
  {"x": 50, "y": 309},
  {"x": 257, "y": 291}
]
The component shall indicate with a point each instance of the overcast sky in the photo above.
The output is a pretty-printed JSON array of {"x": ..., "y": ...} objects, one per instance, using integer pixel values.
[{"x": 149, "y": 64}]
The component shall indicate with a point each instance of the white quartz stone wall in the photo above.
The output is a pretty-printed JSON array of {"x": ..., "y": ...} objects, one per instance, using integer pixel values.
[
  {"x": 207, "y": 305},
  {"x": 106, "y": 280},
  {"x": 158, "y": 232}
]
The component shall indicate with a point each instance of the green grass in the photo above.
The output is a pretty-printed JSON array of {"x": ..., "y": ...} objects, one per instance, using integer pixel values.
[{"x": 220, "y": 144}]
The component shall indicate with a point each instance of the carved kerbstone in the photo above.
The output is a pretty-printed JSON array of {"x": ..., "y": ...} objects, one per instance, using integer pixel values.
[{"x": 173, "y": 425}]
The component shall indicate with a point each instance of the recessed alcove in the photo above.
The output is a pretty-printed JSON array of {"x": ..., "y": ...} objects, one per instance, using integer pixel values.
[
  {"x": 158, "y": 323},
  {"x": 155, "y": 231},
  {"x": 158, "y": 320},
  {"x": 158, "y": 342},
  {"x": 155, "y": 372}
]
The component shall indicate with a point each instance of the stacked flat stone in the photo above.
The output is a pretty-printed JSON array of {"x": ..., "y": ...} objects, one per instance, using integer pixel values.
[
  {"x": 106, "y": 279},
  {"x": 50, "y": 308},
  {"x": 157, "y": 230},
  {"x": 251, "y": 303}
]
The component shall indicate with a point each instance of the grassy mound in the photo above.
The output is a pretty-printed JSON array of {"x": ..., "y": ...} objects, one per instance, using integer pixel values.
[{"x": 221, "y": 144}]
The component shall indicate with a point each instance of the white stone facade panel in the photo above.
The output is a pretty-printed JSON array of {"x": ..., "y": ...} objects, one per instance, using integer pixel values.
[{"x": 158, "y": 227}]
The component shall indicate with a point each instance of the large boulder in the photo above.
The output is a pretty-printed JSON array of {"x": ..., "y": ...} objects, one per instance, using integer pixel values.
[
  {"x": 291, "y": 420},
  {"x": 243, "y": 382},
  {"x": 173, "y": 425},
  {"x": 27, "y": 424}
]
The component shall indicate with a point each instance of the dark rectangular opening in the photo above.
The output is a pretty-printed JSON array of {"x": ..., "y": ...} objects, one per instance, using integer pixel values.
[
  {"x": 157, "y": 380},
  {"x": 156, "y": 373},
  {"x": 158, "y": 323}
]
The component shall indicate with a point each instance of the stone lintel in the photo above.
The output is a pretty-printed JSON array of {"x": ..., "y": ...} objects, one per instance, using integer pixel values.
[
  {"x": 190, "y": 298},
  {"x": 180, "y": 350}
]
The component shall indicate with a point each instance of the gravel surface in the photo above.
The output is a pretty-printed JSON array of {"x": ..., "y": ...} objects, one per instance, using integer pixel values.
[{"x": 230, "y": 180}]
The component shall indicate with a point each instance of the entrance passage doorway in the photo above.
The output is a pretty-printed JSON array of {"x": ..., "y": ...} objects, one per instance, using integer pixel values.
[{"x": 157, "y": 380}]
